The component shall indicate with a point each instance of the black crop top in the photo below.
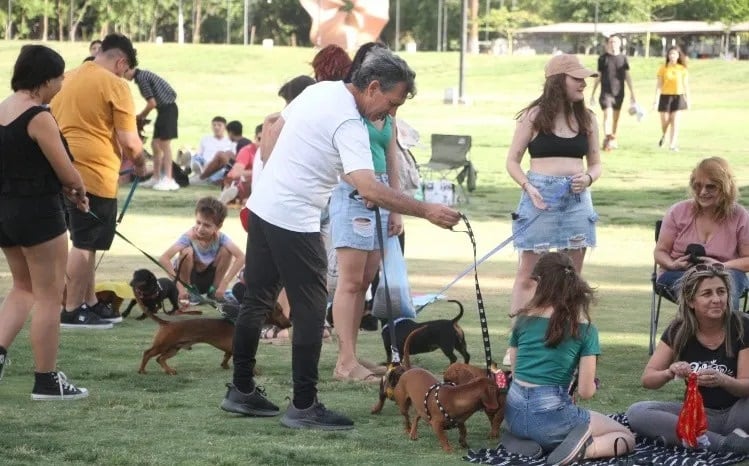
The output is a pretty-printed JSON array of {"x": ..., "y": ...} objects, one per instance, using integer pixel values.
[
  {"x": 551, "y": 145},
  {"x": 24, "y": 170}
]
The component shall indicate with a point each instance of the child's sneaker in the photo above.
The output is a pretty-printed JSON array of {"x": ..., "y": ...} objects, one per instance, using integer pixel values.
[{"x": 55, "y": 386}]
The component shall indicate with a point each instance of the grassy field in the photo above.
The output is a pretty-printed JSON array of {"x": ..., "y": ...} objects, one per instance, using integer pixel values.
[{"x": 158, "y": 419}]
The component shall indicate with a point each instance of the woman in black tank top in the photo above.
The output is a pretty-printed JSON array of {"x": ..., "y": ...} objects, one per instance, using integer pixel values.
[
  {"x": 555, "y": 209},
  {"x": 35, "y": 169}
]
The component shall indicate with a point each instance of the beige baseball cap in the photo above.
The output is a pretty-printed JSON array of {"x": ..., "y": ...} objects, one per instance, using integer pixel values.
[{"x": 568, "y": 64}]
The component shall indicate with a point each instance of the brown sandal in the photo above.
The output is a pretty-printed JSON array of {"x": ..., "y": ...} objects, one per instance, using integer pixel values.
[{"x": 357, "y": 374}]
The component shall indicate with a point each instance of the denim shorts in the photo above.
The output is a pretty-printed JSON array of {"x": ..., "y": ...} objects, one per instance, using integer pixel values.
[
  {"x": 352, "y": 225},
  {"x": 545, "y": 414},
  {"x": 217, "y": 176},
  {"x": 569, "y": 222}
]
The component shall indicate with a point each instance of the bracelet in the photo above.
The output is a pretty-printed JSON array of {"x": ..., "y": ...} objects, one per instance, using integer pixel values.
[
  {"x": 522, "y": 186},
  {"x": 591, "y": 179}
]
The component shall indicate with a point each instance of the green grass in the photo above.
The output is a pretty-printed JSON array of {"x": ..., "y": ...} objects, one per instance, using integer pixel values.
[{"x": 158, "y": 419}]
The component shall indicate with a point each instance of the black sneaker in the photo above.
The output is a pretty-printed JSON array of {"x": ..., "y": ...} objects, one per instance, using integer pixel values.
[
  {"x": 316, "y": 416},
  {"x": 82, "y": 317},
  {"x": 106, "y": 313},
  {"x": 248, "y": 404},
  {"x": 736, "y": 442},
  {"x": 57, "y": 388},
  {"x": 572, "y": 447}
]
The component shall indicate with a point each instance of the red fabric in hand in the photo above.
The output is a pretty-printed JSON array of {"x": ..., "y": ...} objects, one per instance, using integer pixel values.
[{"x": 692, "y": 422}]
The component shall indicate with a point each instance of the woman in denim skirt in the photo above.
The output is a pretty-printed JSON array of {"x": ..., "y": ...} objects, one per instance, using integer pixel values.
[
  {"x": 552, "y": 339},
  {"x": 555, "y": 210}
]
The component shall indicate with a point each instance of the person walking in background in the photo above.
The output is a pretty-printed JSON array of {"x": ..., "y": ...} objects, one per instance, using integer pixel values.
[
  {"x": 613, "y": 72},
  {"x": 161, "y": 96},
  {"x": 558, "y": 131},
  {"x": 672, "y": 95},
  {"x": 96, "y": 115},
  {"x": 36, "y": 169}
]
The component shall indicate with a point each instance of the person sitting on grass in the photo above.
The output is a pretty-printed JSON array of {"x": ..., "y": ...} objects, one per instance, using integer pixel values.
[
  {"x": 708, "y": 338},
  {"x": 239, "y": 177},
  {"x": 207, "y": 259},
  {"x": 212, "y": 154},
  {"x": 553, "y": 338}
]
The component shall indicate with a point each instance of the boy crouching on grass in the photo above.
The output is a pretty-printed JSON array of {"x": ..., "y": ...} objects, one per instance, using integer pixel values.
[{"x": 206, "y": 258}]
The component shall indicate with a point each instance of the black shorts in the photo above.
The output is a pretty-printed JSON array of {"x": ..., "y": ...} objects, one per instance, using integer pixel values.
[
  {"x": 671, "y": 103},
  {"x": 28, "y": 222},
  {"x": 165, "y": 127},
  {"x": 611, "y": 101},
  {"x": 203, "y": 280},
  {"x": 89, "y": 232}
]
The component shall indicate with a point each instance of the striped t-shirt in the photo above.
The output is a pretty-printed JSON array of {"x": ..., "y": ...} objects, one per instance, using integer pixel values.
[{"x": 153, "y": 86}]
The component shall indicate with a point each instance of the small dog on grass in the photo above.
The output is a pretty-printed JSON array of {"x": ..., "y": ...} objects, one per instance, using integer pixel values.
[
  {"x": 151, "y": 293},
  {"x": 461, "y": 374},
  {"x": 444, "y": 334},
  {"x": 389, "y": 381}
]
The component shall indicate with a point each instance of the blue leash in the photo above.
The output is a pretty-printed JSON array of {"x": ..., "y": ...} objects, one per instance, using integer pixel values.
[
  {"x": 128, "y": 199},
  {"x": 554, "y": 200}
]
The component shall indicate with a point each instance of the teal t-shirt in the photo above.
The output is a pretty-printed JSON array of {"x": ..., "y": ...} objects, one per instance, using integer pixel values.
[
  {"x": 379, "y": 141},
  {"x": 539, "y": 364}
]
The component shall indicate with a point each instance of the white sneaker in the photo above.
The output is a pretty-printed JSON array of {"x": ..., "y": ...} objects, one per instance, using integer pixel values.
[
  {"x": 166, "y": 184},
  {"x": 150, "y": 183},
  {"x": 228, "y": 194},
  {"x": 196, "y": 168},
  {"x": 195, "y": 180}
]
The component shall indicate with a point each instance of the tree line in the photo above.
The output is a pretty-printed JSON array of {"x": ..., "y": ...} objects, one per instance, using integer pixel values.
[{"x": 432, "y": 24}]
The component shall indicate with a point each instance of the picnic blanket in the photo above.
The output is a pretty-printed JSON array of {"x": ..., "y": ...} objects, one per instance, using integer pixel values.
[{"x": 647, "y": 452}]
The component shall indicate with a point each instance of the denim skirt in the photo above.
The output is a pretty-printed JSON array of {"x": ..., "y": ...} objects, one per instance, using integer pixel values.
[
  {"x": 569, "y": 221},
  {"x": 545, "y": 414},
  {"x": 352, "y": 225}
]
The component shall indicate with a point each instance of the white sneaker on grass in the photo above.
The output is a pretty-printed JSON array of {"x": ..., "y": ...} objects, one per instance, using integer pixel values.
[{"x": 228, "y": 194}]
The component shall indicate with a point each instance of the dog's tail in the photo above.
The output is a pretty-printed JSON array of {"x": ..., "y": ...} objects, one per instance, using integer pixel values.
[
  {"x": 156, "y": 318},
  {"x": 460, "y": 313},
  {"x": 406, "y": 363}
]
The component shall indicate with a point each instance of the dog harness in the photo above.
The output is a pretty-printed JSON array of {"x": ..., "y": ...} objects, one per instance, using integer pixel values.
[{"x": 449, "y": 421}]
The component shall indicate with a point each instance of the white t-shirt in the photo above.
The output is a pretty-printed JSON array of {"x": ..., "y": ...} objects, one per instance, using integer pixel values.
[
  {"x": 323, "y": 136},
  {"x": 257, "y": 168},
  {"x": 209, "y": 145}
]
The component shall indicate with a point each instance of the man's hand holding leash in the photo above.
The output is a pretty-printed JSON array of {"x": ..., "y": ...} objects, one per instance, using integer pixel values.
[{"x": 442, "y": 215}]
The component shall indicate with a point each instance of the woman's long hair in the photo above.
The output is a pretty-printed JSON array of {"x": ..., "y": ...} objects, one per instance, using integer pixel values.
[
  {"x": 559, "y": 286},
  {"x": 554, "y": 100},
  {"x": 717, "y": 170},
  {"x": 686, "y": 325},
  {"x": 682, "y": 60}
]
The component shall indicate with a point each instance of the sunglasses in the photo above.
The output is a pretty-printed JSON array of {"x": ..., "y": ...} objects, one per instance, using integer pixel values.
[
  {"x": 715, "y": 267},
  {"x": 709, "y": 187}
]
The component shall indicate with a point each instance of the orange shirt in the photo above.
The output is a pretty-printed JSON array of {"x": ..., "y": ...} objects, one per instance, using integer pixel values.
[{"x": 92, "y": 103}]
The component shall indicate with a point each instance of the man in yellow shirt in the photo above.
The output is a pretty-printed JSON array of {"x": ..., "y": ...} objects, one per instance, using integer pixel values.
[{"x": 96, "y": 114}]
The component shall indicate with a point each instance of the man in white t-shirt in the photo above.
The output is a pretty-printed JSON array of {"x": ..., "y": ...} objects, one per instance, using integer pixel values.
[
  {"x": 319, "y": 136},
  {"x": 214, "y": 145}
]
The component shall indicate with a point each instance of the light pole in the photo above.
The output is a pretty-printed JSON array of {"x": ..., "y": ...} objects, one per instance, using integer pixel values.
[
  {"x": 440, "y": 7},
  {"x": 228, "y": 21},
  {"x": 463, "y": 44},
  {"x": 244, "y": 21},
  {"x": 397, "y": 40}
]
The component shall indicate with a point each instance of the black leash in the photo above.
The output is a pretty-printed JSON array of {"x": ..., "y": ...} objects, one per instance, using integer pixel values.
[
  {"x": 479, "y": 297},
  {"x": 395, "y": 355}
]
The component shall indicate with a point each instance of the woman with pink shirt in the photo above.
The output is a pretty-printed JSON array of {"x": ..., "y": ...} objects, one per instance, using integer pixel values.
[{"x": 711, "y": 219}]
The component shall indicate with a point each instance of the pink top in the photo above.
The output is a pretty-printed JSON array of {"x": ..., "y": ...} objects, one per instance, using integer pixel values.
[{"x": 679, "y": 223}]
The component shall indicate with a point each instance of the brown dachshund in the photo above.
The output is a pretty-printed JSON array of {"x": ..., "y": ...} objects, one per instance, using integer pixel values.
[
  {"x": 460, "y": 374},
  {"x": 394, "y": 373},
  {"x": 174, "y": 335},
  {"x": 442, "y": 405}
]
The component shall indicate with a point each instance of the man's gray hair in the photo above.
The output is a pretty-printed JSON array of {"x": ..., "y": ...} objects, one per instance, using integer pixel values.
[{"x": 388, "y": 69}]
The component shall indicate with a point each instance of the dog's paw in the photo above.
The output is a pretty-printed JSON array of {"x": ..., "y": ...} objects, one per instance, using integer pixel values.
[
  {"x": 170, "y": 371},
  {"x": 141, "y": 371}
]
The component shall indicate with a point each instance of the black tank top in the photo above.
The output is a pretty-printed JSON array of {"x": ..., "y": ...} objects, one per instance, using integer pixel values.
[
  {"x": 551, "y": 145},
  {"x": 24, "y": 170}
]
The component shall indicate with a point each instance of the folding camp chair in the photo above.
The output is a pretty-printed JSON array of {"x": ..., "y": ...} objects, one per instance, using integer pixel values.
[
  {"x": 450, "y": 161},
  {"x": 661, "y": 291}
]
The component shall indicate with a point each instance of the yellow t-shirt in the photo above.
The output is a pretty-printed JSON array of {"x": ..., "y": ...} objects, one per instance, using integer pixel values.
[
  {"x": 91, "y": 104},
  {"x": 673, "y": 77}
]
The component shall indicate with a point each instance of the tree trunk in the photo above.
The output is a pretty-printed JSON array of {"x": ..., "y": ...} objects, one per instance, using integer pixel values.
[
  {"x": 45, "y": 22},
  {"x": 60, "y": 22},
  {"x": 197, "y": 7},
  {"x": 74, "y": 23},
  {"x": 473, "y": 41}
]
